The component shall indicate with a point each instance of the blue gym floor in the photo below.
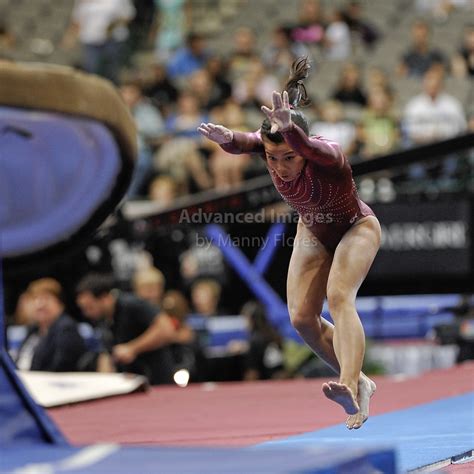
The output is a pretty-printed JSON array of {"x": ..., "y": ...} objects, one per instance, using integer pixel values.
[
  {"x": 393, "y": 442},
  {"x": 421, "y": 435}
]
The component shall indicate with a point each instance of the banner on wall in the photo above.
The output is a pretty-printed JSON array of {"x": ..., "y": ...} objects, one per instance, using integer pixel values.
[{"x": 426, "y": 238}]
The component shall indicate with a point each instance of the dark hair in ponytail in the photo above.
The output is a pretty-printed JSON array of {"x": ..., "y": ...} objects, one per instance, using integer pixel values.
[
  {"x": 297, "y": 96},
  {"x": 295, "y": 87}
]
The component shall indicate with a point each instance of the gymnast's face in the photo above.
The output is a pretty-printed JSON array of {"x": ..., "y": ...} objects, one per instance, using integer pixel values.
[{"x": 282, "y": 160}]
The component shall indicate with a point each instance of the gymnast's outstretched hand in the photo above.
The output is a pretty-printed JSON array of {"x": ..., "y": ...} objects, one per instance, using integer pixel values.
[
  {"x": 216, "y": 133},
  {"x": 280, "y": 113}
]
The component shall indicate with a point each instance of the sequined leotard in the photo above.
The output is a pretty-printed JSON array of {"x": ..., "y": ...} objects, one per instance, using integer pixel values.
[{"x": 324, "y": 193}]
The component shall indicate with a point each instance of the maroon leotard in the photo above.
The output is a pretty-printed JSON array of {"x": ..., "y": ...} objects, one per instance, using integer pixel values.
[{"x": 324, "y": 193}]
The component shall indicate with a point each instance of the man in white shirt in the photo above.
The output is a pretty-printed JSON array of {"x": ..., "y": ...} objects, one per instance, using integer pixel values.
[
  {"x": 337, "y": 39},
  {"x": 101, "y": 28},
  {"x": 433, "y": 115}
]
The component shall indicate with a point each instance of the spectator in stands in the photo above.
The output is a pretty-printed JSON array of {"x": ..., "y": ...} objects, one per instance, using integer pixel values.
[
  {"x": 378, "y": 128},
  {"x": 169, "y": 28},
  {"x": 463, "y": 60},
  {"x": 279, "y": 54},
  {"x": 433, "y": 114},
  {"x": 243, "y": 54},
  {"x": 218, "y": 72},
  {"x": 311, "y": 24},
  {"x": 334, "y": 126},
  {"x": 349, "y": 89},
  {"x": 205, "y": 297},
  {"x": 160, "y": 89},
  {"x": 420, "y": 57},
  {"x": 187, "y": 117},
  {"x": 141, "y": 25},
  {"x": 149, "y": 285},
  {"x": 209, "y": 93},
  {"x": 133, "y": 333},
  {"x": 181, "y": 159},
  {"x": 176, "y": 306},
  {"x": 228, "y": 173},
  {"x": 264, "y": 359},
  {"x": 163, "y": 190},
  {"x": 188, "y": 349},
  {"x": 360, "y": 28},
  {"x": 465, "y": 325},
  {"x": 53, "y": 342},
  {"x": 189, "y": 58},
  {"x": 201, "y": 260},
  {"x": 254, "y": 87},
  {"x": 470, "y": 127},
  {"x": 441, "y": 9},
  {"x": 7, "y": 39},
  {"x": 101, "y": 27},
  {"x": 337, "y": 40},
  {"x": 23, "y": 314},
  {"x": 150, "y": 130},
  {"x": 232, "y": 113},
  {"x": 377, "y": 78}
]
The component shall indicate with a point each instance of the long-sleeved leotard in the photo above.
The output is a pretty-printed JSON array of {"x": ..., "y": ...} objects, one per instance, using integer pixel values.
[{"x": 324, "y": 193}]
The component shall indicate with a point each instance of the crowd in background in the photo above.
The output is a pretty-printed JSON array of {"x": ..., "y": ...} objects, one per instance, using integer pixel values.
[
  {"x": 188, "y": 84},
  {"x": 143, "y": 331},
  {"x": 159, "y": 333},
  {"x": 185, "y": 84}
]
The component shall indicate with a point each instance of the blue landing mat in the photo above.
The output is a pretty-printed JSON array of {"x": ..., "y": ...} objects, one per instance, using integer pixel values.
[
  {"x": 422, "y": 435},
  {"x": 105, "y": 459}
]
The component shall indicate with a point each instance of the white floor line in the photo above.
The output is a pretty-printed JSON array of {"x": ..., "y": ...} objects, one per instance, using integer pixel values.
[{"x": 84, "y": 458}]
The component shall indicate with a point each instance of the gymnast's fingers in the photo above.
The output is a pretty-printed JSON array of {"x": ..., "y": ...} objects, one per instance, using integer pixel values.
[
  {"x": 204, "y": 129},
  {"x": 277, "y": 102},
  {"x": 266, "y": 111}
]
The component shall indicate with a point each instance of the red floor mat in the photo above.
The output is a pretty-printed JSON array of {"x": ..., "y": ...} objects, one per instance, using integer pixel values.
[
  {"x": 238, "y": 414},
  {"x": 467, "y": 468}
]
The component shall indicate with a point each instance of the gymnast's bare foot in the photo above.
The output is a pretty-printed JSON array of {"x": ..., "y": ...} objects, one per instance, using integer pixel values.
[
  {"x": 342, "y": 394},
  {"x": 366, "y": 389}
]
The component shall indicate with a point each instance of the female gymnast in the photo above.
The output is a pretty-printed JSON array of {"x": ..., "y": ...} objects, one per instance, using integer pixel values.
[{"x": 336, "y": 242}]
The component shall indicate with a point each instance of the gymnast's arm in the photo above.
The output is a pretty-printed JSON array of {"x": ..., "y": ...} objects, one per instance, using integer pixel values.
[
  {"x": 236, "y": 143},
  {"x": 325, "y": 153}
]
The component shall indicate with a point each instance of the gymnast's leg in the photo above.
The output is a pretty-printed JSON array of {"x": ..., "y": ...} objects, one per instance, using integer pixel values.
[
  {"x": 306, "y": 289},
  {"x": 366, "y": 386},
  {"x": 351, "y": 262}
]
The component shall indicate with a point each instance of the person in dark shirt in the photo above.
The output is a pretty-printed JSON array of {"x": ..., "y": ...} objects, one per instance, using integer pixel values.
[
  {"x": 132, "y": 331},
  {"x": 366, "y": 31},
  {"x": 265, "y": 353},
  {"x": 161, "y": 89},
  {"x": 349, "y": 89},
  {"x": 222, "y": 88},
  {"x": 463, "y": 60},
  {"x": 420, "y": 57},
  {"x": 53, "y": 343}
]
